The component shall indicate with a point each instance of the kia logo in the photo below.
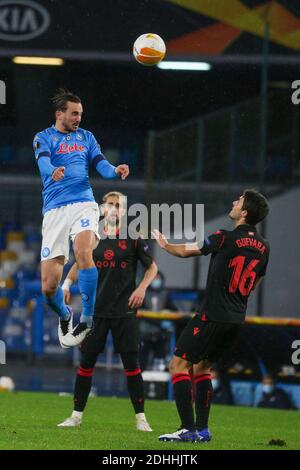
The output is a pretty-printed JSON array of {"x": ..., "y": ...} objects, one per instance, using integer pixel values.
[{"x": 21, "y": 20}]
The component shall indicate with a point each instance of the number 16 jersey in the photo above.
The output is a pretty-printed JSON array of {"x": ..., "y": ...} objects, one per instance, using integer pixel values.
[{"x": 238, "y": 258}]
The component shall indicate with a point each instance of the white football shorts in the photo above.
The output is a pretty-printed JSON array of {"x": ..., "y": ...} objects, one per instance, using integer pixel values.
[{"x": 61, "y": 225}]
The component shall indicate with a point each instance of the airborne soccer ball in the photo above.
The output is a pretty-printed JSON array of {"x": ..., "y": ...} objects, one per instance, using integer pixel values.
[{"x": 149, "y": 49}]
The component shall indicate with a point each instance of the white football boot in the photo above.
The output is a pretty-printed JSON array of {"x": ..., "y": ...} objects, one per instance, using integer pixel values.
[
  {"x": 142, "y": 423},
  {"x": 65, "y": 327},
  {"x": 76, "y": 336},
  {"x": 72, "y": 422}
]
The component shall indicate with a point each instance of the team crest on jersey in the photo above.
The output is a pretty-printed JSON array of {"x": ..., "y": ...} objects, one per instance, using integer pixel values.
[{"x": 79, "y": 137}]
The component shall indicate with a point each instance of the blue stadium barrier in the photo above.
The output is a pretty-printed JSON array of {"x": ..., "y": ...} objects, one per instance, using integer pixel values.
[
  {"x": 292, "y": 390},
  {"x": 243, "y": 393}
]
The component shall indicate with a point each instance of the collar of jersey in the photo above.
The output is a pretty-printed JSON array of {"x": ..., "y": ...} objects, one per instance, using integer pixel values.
[{"x": 246, "y": 227}]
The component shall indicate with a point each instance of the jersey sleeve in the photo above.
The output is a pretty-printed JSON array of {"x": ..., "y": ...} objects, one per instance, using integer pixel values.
[
  {"x": 263, "y": 269},
  {"x": 95, "y": 154},
  {"x": 42, "y": 153},
  {"x": 143, "y": 253},
  {"x": 41, "y": 146},
  {"x": 213, "y": 243}
]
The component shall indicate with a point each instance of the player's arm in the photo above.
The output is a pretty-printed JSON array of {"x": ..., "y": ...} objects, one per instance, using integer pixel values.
[
  {"x": 262, "y": 272},
  {"x": 183, "y": 250},
  {"x": 137, "y": 297},
  {"x": 71, "y": 278},
  {"x": 43, "y": 157},
  {"x": 257, "y": 282},
  {"x": 102, "y": 166}
]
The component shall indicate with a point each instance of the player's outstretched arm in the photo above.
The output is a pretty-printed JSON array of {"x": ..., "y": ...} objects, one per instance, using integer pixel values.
[
  {"x": 109, "y": 171},
  {"x": 184, "y": 250},
  {"x": 72, "y": 277},
  {"x": 137, "y": 297}
]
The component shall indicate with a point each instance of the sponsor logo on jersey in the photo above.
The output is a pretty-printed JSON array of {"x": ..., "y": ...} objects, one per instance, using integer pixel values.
[
  {"x": 65, "y": 148},
  {"x": 109, "y": 254}
]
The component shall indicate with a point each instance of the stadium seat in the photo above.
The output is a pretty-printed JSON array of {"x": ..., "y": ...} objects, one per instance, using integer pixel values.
[
  {"x": 15, "y": 242},
  {"x": 184, "y": 301},
  {"x": 243, "y": 393}
]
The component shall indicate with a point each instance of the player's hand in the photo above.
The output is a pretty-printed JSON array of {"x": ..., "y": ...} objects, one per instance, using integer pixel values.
[
  {"x": 122, "y": 171},
  {"x": 160, "y": 238},
  {"x": 59, "y": 173},
  {"x": 67, "y": 296},
  {"x": 137, "y": 298}
]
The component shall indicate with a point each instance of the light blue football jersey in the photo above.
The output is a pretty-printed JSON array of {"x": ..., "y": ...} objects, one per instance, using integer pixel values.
[{"x": 75, "y": 151}]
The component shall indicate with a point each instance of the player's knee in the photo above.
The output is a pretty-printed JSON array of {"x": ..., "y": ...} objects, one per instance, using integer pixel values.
[
  {"x": 178, "y": 365},
  {"x": 83, "y": 255},
  {"x": 88, "y": 361},
  {"x": 203, "y": 367},
  {"x": 130, "y": 361},
  {"x": 49, "y": 287}
]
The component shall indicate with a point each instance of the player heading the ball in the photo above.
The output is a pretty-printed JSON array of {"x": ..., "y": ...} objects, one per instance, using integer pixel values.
[{"x": 64, "y": 153}]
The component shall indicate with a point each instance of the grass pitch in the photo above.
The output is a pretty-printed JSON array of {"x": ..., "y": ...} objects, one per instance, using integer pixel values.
[{"x": 28, "y": 421}]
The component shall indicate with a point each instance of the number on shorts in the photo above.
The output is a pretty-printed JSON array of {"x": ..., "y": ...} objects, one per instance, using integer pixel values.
[{"x": 85, "y": 222}]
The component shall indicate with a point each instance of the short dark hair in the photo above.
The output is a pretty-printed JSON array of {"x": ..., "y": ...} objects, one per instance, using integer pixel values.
[
  {"x": 256, "y": 205},
  {"x": 61, "y": 98}
]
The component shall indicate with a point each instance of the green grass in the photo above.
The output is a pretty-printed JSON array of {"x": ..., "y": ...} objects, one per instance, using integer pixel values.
[{"x": 28, "y": 421}]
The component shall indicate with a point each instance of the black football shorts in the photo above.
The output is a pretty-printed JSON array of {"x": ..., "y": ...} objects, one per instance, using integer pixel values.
[
  {"x": 125, "y": 335},
  {"x": 208, "y": 340}
]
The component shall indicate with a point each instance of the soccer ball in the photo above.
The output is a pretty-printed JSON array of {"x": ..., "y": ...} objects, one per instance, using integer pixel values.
[
  {"x": 6, "y": 384},
  {"x": 149, "y": 49}
]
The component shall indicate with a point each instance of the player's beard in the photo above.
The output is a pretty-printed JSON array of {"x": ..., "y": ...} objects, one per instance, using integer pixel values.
[
  {"x": 70, "y": 127},
  {"x": 113, "y": 223}
]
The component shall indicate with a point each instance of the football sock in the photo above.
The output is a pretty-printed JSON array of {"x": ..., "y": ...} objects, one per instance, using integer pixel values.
[
  {"x": 135, "y": 386},
  {"x": 204, "y": 392},
  {"x": 57, "y": 303},
  {"x": 183, "y": 397},
  {"x": 87, "y": 283},
  {"x": 83, "y": 386}
]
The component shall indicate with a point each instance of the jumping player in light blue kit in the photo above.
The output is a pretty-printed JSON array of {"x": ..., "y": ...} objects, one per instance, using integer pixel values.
[{"x": 63, "y": 153}]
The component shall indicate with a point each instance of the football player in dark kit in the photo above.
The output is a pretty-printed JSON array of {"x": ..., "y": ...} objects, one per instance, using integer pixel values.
[
  {"x": 117, "y": 301},
  {"x": 238, "y": 263}
]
